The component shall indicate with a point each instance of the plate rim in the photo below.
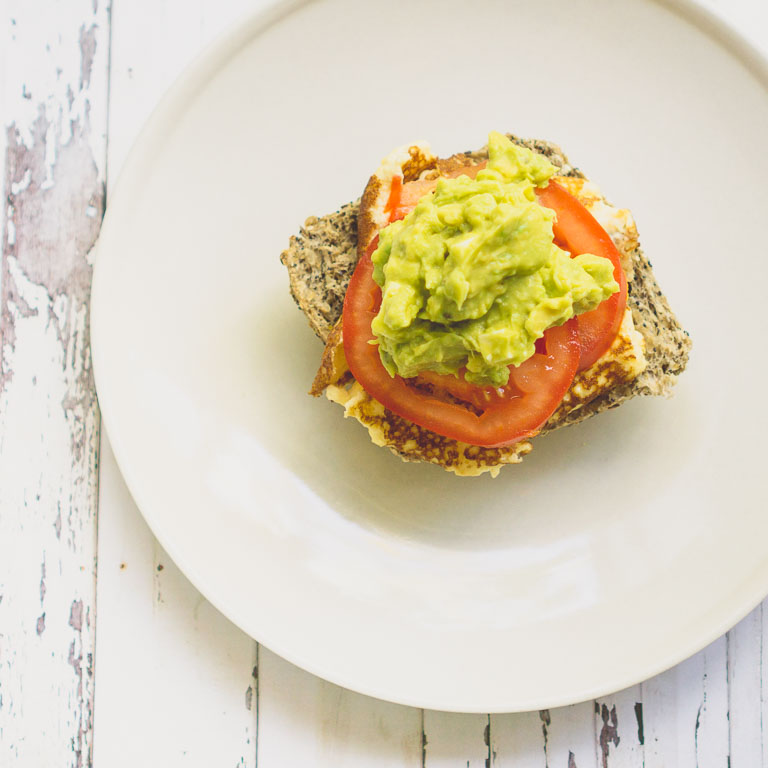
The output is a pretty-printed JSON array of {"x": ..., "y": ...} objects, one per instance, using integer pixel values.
[{"x": 196, "y": 73}]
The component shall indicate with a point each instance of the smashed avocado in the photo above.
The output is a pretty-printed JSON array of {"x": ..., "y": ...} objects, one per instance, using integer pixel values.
[{"x": 471, "y": 277}]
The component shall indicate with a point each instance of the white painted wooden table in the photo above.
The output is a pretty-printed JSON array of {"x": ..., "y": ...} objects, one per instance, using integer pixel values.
[{"x": 155, "y": 676}]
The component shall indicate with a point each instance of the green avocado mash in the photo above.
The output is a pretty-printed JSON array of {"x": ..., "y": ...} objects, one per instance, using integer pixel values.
[{"x": 471, "y": 277}]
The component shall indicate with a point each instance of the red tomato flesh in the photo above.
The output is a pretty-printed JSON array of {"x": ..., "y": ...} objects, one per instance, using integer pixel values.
[
  {"x": 395, "y": 194},
  {"x": 403, "y": 197},
  {"x": 518, "y": 411},
  {"x": 577, "y": 231}
]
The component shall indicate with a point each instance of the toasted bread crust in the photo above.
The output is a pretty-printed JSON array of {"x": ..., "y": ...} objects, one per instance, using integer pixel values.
[
  {"x": 419, "y": 161},
  {"x": 413, "y": 443},
  {"x": 333, "y": 364},
  {"x": 320, "y": 261},
  {"x": 366, "y": 226},
  {"x": 410, "y": 163}
]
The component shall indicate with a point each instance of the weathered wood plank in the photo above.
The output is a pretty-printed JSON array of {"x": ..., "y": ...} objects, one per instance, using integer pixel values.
[
  {"x": 456, "y": 740},
  {"x": 764, "y": 681},
  {"x": 747, "y": 669},
  {"x": 558, "y": 737},
  {"x": 517, "y": 740},
  {"x": 745, "y": 691},
  {"x": 747, "y": 672},
  {"x": 570, "y": 736},
  {"x": 619, "y": 729},
  {"x": 305, "y": 721},
  {"x": 54, "y": 80},
  {"x": 685, "y": 712},
  {"x": 170, "y": 667}
]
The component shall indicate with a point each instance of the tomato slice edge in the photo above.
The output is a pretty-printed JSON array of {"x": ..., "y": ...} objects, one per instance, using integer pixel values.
[
  {"x": 500, "y": 424},
  {"x": 578, "y": 231}
]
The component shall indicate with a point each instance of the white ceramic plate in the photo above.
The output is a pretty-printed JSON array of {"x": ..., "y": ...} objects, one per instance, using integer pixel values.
[{"x": 619, "y": 546}]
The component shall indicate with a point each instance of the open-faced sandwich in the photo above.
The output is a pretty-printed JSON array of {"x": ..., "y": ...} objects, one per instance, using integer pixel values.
[{"x": 468, "y": 304}]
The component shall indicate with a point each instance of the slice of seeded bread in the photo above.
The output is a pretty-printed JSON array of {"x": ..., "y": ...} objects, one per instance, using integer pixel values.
[{"x": 322, "y": 257}]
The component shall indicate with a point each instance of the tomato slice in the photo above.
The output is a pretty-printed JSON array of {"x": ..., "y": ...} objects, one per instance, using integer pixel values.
[
  {"x": 395, "y": 193},
  {"x": 577, "y": 231},
  {"x": 479, "y": 397},
  {"x": 403, "y": 197},
  {"x": 518, "y": 411}
]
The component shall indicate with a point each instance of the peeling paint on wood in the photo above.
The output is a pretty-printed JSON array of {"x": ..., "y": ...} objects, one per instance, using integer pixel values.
[
  {"x": 746, "y": 692},
  {"x": 455, "y": 740},
  {"x": 180, "y": 654},
  {"x": 546, "y": 721},
  {"x": 618, "y": 744},
  {"x": 76, "y": 615},
  {"x": 685, "y": 712},
  {"x": 639, "y": 719},
  {"x": 517, "y": 741},
  {"x": 305, "y": 721},
  {"x": 609, "y": 733},
  {"x": 53, "y": 188}
]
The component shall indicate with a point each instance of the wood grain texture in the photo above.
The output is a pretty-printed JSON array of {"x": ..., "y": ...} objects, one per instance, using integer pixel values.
[
  {"x": 518, "y": 740},
  {"x": 745, "y": 691},
  {"x": 685, "y": 712},
  {"x": 763, "y": 673},
  {"x": 170, "y": 666},
  {"x": 305, "y": 721},
  {"x": 456, "y": 740},
  {"x": 564, "y": 736},
  {"x": 54, "y": 82},
  {"x": 619, "y": 731},
  {"x": 570, "y": 736}
]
